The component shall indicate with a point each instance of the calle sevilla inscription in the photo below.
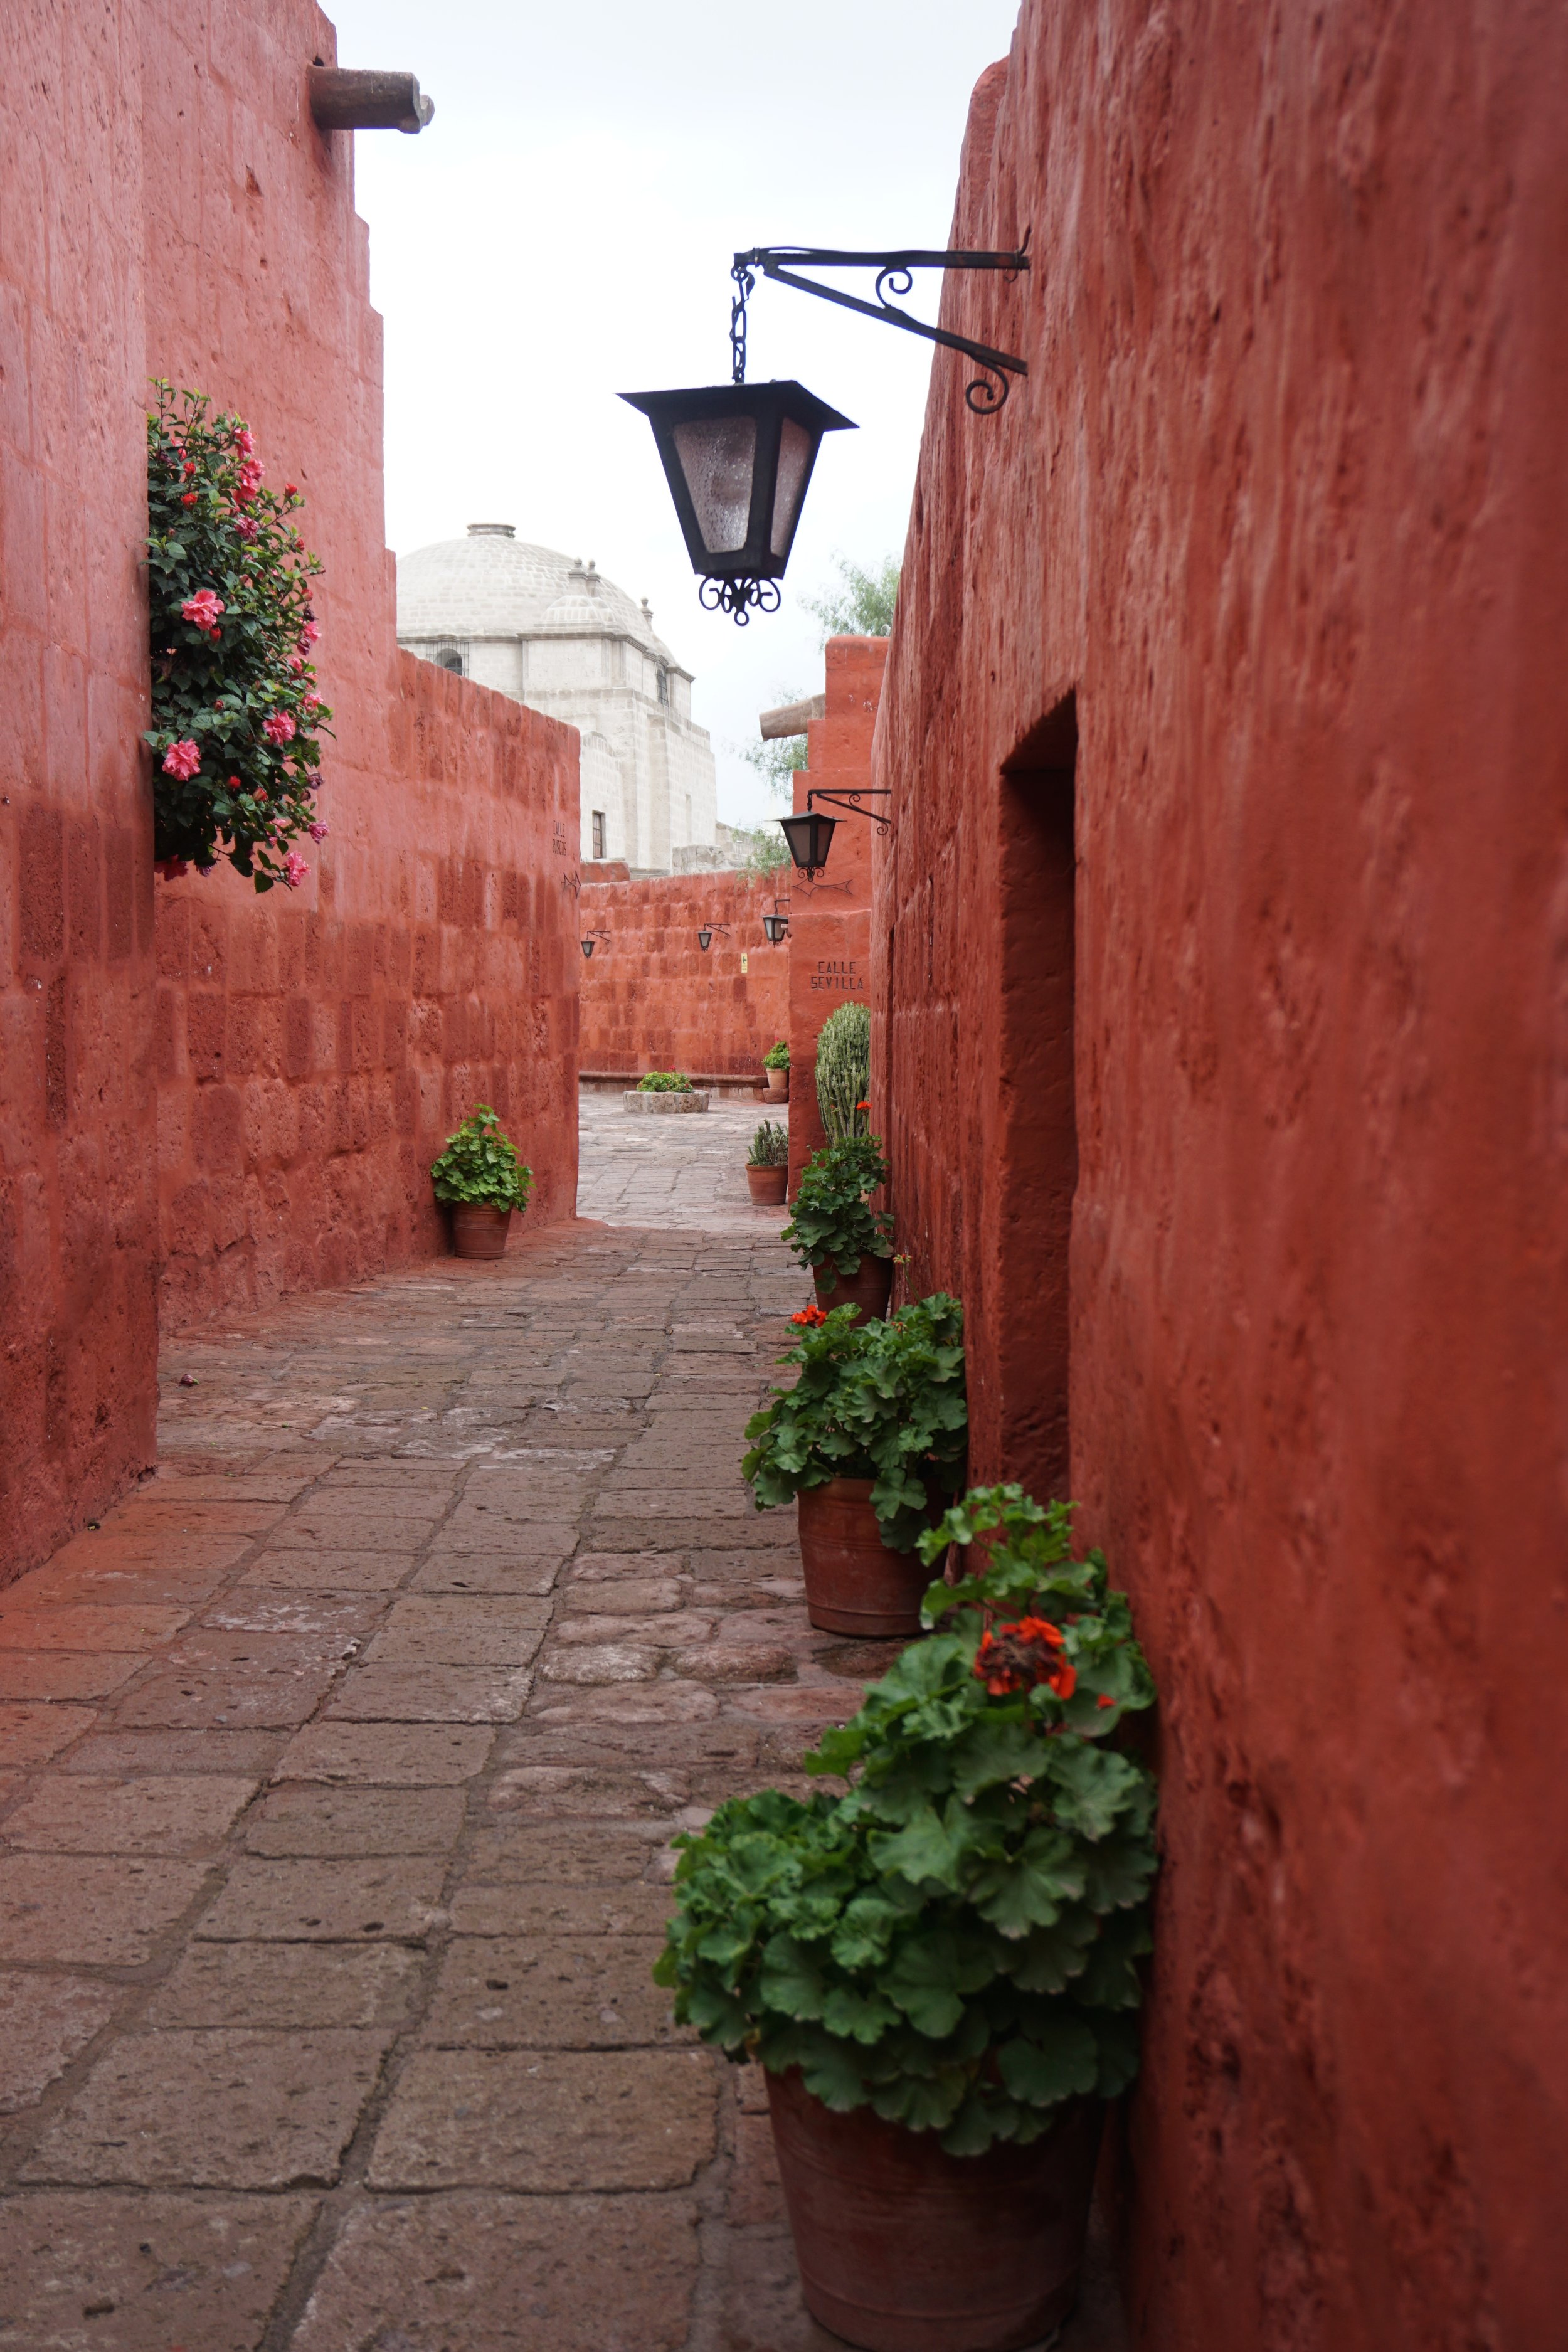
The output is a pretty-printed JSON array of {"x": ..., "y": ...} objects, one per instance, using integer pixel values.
[{"x": 840, "y": 976}]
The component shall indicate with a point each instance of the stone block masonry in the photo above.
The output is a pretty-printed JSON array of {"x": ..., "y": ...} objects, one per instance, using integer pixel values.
[
  {"x": 652, "y": 999},
  {"x": 224, "y": 1096}
]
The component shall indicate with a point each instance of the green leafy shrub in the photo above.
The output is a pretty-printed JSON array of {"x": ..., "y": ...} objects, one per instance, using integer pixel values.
[
  {"x": 833, "y": 1227},
  {"x": 954, "y": 1941},
  {"x": 777, "y": 1057},
  {"x": 875, "y": 1400},
  {"x": 479, "y": 1164},
  {"x": 770, "y": 1146},
  {"x": 665, "y": 1082},
  {"x": 236, "y": 715},
  {"x": 844, "y": 1071}
]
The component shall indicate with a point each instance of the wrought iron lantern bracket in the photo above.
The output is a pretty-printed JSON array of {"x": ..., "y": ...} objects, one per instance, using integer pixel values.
[
  {"x": 810, "y": 836},
  {"x": 843, "y": 797},
  {"x": 985, "y": 395}
]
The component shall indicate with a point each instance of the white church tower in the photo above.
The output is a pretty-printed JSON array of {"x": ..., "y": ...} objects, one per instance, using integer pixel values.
[{"x": 554, "y": 633}]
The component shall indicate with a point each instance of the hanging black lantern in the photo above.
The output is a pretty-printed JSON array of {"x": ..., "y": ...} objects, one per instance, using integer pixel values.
[
  {"x": 588, "y": 941},
  {"x": 587, "y": 945},
  {"x": 738, "y": 457},
  {"x": 810, "y": 838}
]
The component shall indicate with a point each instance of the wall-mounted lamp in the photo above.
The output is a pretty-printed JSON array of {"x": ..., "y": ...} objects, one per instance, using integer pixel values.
[
  {"x": 810, "y": 835},
  {"x": 705, "y": 934},
  {"x": 776, "y": 924},
  {"x": 738, "y": 457},
  {"x": 588, "y": 938}
]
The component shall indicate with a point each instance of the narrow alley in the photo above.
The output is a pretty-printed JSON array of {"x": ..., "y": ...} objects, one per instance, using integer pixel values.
[{"x": 365, "y": 1725}]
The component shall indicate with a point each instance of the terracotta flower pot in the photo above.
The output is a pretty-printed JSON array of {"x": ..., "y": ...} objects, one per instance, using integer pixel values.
[
  {"x": 479, "y": 1229},
  {"x": 869, "y": 1290},
  {"x": 767, "y": 1185},
  {"x": 902, "y": 2248},
  {"x": 855, "y": 1583},
  {"x": 777, "y": 1085}
]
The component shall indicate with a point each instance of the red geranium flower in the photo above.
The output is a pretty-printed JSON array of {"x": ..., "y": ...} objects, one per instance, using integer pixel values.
[
  {"x": 810, "y": 1317},
  {"x": 1023, "y": 1655}
]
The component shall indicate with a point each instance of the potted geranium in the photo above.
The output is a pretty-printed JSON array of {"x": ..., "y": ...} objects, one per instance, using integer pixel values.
[
  {"x": 869, "y": 1436},
  {"x": 481, "y": 1178},
  {"x": 776, "y": 1071},
  {"x": 848, "y": 1245},
  {"x": 767, "y": 1165},
  {"x": 938, "y": 1969}
]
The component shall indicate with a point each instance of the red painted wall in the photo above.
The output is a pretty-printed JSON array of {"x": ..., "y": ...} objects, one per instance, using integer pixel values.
[
  {"x": 1281, "y": 509},
  {"x": 77, "y": 1207},
  {"x": 651, "y": 998},
  {"x": 184, "y": 218},
  {"x": 830, "y": 919}
]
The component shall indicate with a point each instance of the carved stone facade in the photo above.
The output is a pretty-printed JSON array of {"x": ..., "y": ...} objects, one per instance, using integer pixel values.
[{"x": 555, "y": 634}]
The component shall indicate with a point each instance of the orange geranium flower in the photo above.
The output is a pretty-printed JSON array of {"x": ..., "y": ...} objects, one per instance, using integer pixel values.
[
  {"x": 810, "y": 1316},
  {"x": 1023, "y": 1655}
]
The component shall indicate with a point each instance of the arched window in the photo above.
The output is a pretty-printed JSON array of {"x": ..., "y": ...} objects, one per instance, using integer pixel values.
[
  {"x": 449, "y": 658},
  {"x": 663, "y": 683}
]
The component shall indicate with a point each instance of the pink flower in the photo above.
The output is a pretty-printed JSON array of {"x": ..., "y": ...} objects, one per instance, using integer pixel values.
[
  {"x": 202, "y": 608},
  {"x": 249, "y": 480},
  {"x": 296, "y": 663},
  {"x": 314, "y": 702},
  {"x": 245, "y": 525},
  {"x": 181, "y": 760},
  {"x": 294, "y": 870},
  {"x": 318, "y": 832},
  {"x": 307, "y": 636},
  {"x": 245, "y": 441},
  {"x": 279, "y": 727}
]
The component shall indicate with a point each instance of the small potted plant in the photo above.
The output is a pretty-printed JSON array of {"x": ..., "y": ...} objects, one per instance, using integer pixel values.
[
  {"x": 665, "y": 1090},
  {"x": 482, "y": 1179},
  {"x": 939, "y": 1968},
  {"x": 776, "y": 1071},
  {"x": 871, "y": 1433},
  {"x": 767, "y": 1165},
  {"x": 848, "y": 1245}
]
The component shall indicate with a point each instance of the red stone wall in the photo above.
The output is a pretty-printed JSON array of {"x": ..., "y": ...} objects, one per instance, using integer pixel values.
[
  {"x": 653, "y": 999},
  {"x": 183, "y": 217},
  {"x": 1247, "y": 1143},
  {"x": 830, "y": 919},
  {"x": 77, "y": 1210}
]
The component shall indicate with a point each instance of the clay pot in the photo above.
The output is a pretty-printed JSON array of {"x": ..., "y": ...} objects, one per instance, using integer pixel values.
[
  {"x": 855, "y": 1583},
  {"x": 776, "y": 1084},
  {"x": 767, "y": 1186},
  {"x": 869, "y": 1290},
  {"x": 902, "y": 2248},
  {"x": 479, "y": 1229}
]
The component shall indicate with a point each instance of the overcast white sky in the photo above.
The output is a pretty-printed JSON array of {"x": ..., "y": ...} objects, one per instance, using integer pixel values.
[{"x": 562, "y": 232}]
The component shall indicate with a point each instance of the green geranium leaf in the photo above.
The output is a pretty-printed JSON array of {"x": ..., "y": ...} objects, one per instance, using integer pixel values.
[
  {"x": 1061, "y": 2061},
  {"x": 791, "y": 1980}
]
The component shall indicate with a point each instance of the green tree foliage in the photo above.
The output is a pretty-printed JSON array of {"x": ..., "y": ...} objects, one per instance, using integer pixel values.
[
  {"x": 954, "y": 1941},
  {"x": 862, "y": 605}
]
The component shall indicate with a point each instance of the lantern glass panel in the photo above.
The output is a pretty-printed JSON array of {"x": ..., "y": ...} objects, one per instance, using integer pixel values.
[
  {"x": 797, "y": 447},
  {"x": 719, "y": 457}
]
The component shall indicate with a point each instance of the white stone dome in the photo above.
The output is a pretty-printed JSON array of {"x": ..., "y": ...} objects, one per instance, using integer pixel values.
[{"x": 494, "y": 584}]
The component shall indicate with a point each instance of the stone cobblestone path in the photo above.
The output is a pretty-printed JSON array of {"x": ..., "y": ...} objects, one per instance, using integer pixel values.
[{"x": 337, "y": 1772}]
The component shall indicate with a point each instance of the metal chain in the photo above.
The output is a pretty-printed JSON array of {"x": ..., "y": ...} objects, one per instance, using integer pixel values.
[{"x": 745, "y": 284}]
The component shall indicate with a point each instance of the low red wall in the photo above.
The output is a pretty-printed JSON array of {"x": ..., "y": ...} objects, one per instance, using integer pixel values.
[
  {"x": 1246, "y": 1141},
  {"x": 653, "y": 999},
  {"x": 830, "y": 919}
]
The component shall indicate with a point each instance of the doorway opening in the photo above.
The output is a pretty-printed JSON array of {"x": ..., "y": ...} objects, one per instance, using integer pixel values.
[{"x": 1039, "y": 1126}]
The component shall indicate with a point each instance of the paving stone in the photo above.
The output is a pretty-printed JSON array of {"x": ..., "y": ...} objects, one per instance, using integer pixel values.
[
  {"x": 455, "y": 1631},
  {"x": 344, "y": 1901},
  {"x": 396, "y": 1755},
  {"x": 532, "y": 1535},
  {"x": 638, "y": 1596},
  {"x": 475, "y": 2273},
  {"x": 755, "y": 2191},
  {"x": 761, "y": 2308},
  {"x": 549, "y": 1854},
  {"x": 63, "y": 1673},
  {"x": 548, "y": 2121},
  {"x": 44, "y": 2021},
  {"x": 108, "y": 1625},
  {"x": 280, "y": 1985},
  {"x": 579, "y": 1791},
  {"x": 399, "y": 1532},
  {"x": 31, "y": 1734},
  {"x": 660, "y": 1702},
  {"x": 328, "y": 1623},
  {"x": 219, "y": 2108},
  {"x": 668, "y": 1631},
  {"x": 538, "y": 1991},
  {"x": 327, "y": 1571},
  {"x": 534, "y": 1909},
  {"x": 431, "y": 1693},
  {"x": 735, "y": 1661},
  {"x": 730, "y": 1747},
  {"x": 161, "y": 1814},
  {"x": 499, "y": 1572},
  {"x": 602, "y": 1661},
  {"x": 182, "y": 1513},
  {"x": 793, "y": 1701},
  {"x": 310, "y": 1819},
  {"x": 190, "y": 1699},
  {"x": 94, "y": 1912},
  {"x": 111, "y": 2272},
  {"x": 243, "y": 1754}
]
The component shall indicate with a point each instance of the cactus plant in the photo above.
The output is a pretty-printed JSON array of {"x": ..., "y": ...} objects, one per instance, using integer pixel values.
[{"x": 844, "y": 1071}]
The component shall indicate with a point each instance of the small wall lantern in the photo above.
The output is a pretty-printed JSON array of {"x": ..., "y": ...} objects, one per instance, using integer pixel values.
[
  {"x": 705, "y": 934},
  {"x": 587, "y": 942},
  {"x": 776, "y": 924},
  {"x": 810, "y": 833}
]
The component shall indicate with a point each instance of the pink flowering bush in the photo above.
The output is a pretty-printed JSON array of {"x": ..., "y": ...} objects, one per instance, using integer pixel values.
[{"x": 235, "y": 716}]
